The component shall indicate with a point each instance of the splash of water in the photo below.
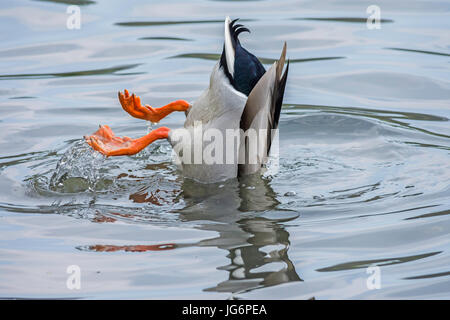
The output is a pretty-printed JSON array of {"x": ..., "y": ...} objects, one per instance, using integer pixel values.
[{"x": 77, "y": 170}]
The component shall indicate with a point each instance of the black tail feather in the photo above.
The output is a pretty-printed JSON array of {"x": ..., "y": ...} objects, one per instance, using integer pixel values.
[{"x": 247, "y": 68}]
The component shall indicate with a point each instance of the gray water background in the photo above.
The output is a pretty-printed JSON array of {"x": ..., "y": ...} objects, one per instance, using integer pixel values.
[{"x": 364, "y": 167}]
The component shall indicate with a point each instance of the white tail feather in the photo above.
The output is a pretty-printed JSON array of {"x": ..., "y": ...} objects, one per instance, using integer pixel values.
[{"x": 229, "y": 50}]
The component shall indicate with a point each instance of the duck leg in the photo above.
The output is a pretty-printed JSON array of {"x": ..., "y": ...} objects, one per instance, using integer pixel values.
[
  {"x": 105, "y": 142},
  {"x": 132, "y": 105}
]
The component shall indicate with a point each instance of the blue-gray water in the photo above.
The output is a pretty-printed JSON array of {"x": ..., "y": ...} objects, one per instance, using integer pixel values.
[{"x": 364, "y": 170}]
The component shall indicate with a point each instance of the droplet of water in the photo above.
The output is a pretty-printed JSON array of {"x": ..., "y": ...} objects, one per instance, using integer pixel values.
[{"x": 150, "y": 126}]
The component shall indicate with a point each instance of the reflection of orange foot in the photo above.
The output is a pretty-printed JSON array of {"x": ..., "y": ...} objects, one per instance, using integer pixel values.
[
  {"x": 105, "y": 142},
  {"x": 102, "y": 219},
  {"x": 132, "y": 105},
  {"x": 136, "y": 248}
]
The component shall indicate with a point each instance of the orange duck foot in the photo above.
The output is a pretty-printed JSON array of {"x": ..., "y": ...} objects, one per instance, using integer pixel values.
[
  {"x": 105, "y": 142},
  {"x": 132, "y": 105}
]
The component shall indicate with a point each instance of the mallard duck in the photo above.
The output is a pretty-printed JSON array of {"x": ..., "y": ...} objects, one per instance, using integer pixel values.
[{"x": 242, "y": 96}]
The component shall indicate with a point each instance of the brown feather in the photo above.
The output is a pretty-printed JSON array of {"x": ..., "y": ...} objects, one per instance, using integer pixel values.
[{"x": 263, "y": 107}]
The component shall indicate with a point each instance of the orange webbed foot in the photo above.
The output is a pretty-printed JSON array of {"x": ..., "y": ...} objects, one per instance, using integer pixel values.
[
  {"x": 105, "y": 142},
  {"x": 132, "y": 105}
]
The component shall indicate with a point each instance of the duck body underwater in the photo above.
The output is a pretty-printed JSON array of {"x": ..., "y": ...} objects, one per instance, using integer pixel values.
[{"x": 242, "y": 98}]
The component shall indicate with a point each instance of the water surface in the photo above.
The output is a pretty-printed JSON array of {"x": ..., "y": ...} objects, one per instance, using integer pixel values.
[{"x": 364, "y": 168}]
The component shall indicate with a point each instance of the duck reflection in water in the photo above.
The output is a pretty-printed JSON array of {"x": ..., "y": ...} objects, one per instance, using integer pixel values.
[{"x": 257, "y": 245}]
